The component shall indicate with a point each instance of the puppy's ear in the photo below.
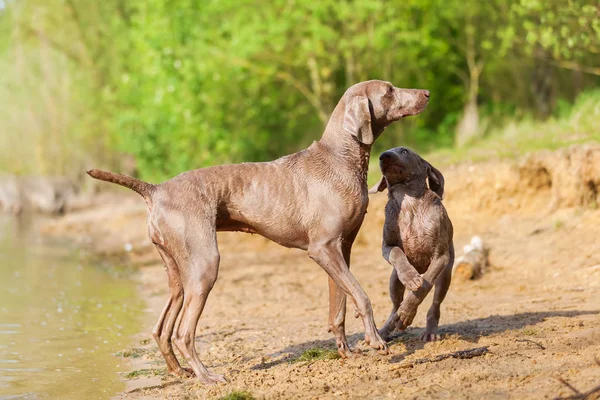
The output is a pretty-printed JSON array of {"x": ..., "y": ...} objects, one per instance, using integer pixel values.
[
  {"x": 436, "y": 180},
  {"x": 357, "y": 119},
  {"x": 379, "y": 186}
]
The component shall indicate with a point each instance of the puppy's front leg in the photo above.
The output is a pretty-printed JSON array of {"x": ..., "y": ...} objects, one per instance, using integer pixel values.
[
  {"x": 408, "y": 308},
  {"x": 407, "y": 274}
]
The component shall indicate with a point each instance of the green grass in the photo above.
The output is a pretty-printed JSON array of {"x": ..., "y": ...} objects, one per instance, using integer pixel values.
[
  {"x": 316, "y": 353},
  {"x": 558, "y": 224},
  {"x": 238, "y": 396},
  {"x": 529, "y": 331},
  {"x": 131, "y": 353},
  {"x": 146, "y": 372}
]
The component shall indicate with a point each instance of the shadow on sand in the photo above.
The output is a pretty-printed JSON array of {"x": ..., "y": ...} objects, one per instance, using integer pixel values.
[{"x": 470, "y": 330}]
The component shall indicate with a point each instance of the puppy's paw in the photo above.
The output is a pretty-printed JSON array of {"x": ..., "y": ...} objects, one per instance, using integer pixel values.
[
  {"x": 405, "y": 317},
  {"x": 411, "y": 279},
  {"x": 388, "y": 327},
  {"x": 415, "y": 283},
  {"x": 385, "y": 334}
]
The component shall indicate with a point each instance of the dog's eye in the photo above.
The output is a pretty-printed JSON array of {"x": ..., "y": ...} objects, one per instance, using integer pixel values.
[
  {"x": 390, "y": 90},
  {"x": 404, "y": 151}
]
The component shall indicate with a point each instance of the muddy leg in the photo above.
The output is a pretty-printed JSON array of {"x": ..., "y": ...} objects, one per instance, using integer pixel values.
[
  {"x": 163, "y": 330},
  {"x": 396, "y": 294}
]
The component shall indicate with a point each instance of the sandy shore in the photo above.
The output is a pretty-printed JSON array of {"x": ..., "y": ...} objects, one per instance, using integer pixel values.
[{"x": 537, "y": 308}]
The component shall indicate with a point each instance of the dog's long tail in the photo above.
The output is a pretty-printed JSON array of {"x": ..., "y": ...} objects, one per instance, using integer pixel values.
[{"x": 143, "y": 188}]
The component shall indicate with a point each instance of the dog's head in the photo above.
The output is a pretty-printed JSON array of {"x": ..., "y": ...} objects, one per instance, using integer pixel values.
[
  {"x": 402, "y": 166},
  {"x": 373, "y": 105}
]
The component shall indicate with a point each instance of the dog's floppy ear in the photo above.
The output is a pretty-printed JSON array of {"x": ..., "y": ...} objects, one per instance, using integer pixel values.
[
  {"x": 379, "y": 186},
  {"x": 357, "y": 119},
  {"x": 436, "y": 180}
]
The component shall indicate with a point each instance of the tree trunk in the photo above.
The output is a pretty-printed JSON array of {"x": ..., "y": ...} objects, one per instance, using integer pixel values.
[{"x": 468, "y": 126}]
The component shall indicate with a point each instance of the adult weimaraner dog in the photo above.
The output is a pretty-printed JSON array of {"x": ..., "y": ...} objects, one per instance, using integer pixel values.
[
  {"x": 313, "y": 200},
  {"x": 417, "y": 238}
]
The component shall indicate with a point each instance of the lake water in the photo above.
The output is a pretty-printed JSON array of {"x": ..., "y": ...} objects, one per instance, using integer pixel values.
[{"x": 61, "y": 319}]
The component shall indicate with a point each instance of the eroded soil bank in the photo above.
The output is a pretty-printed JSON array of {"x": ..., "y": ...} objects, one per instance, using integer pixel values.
[{"x": 537, "y": 307}]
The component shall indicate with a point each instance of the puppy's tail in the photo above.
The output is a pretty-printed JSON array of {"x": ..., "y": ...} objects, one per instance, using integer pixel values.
[{"x": 143, "y": 188}]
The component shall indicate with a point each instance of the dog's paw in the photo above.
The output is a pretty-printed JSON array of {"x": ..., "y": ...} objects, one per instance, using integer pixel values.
[
  {"x": 430, "y": 337},
  {"x": 415, "y": 283},
  {"x": 183, "y": 372},
  {"x": 212, "y": 379},
  {"x": 410, "y": 278},
  {"x": 377, "y": 343},
  {"x": 385, "y": 334},
  {"x": 388, "y": 327},
  {"x": 405, "y": 317},
  {"x": 346, "y": 352},
  {"x": 351, "y": 353}
]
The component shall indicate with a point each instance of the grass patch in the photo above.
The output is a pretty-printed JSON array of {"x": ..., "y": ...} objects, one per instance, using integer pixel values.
[
  {"x": 529, "y": 331},
  {"x": 146, "y": 372},
  {"x": 316, "y": 353},
  {"x": 558, "y": 224},
  {"x": 238, "y": 396},
  {"x": 134, "y": 352}
]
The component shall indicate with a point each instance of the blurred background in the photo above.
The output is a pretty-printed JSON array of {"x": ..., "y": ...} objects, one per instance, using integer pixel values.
[{"x": 155, "y": 87}]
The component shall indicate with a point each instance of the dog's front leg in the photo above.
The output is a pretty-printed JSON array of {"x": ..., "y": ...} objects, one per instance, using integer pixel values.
[
  {"x": 330, "y": 257},
  {"x": 410, "y": 303},
  {"x": 407, "y": 274}
]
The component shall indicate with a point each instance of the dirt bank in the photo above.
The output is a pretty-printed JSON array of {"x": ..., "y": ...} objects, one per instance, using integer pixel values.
[{"x": 537, "y": 307}]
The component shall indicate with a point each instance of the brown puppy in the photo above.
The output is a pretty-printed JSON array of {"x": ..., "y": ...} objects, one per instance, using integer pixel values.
[
  {"x": 417, "y": 238},
  {"x": 313, "y": 200}
]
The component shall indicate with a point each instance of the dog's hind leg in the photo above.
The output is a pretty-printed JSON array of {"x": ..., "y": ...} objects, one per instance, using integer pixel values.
[
  {"x": 163, "y": 330},
  {"x": 396, "y": 294},
  {"x": 199, "y": 266},
  {"x": 433, "y": 315}
]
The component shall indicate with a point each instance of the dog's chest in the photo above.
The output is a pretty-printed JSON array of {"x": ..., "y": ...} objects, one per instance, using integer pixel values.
[{"x": 417, "y": 238}]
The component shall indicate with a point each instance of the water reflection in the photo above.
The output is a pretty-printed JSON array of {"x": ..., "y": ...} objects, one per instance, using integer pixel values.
[{"x": 61, "y": 320}]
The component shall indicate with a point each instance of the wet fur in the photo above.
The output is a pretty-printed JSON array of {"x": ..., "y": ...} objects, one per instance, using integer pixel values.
[
  {"x": 313, "y": 200},
  {"x": 417, "y": 238}
]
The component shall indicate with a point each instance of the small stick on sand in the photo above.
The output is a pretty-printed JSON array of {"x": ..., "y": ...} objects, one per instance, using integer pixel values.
[
  {"x": 533, "y": 342},
  {"x": 461, "y": 354},
  {"x": 593, "y": 393}
]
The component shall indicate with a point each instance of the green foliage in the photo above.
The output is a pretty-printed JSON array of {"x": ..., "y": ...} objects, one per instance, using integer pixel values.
[
  {"x": 187, "y": 84},
  {"x": 573, "y": 123}
]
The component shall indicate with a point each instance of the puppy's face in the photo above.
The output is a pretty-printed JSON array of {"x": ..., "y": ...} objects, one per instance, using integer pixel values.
[
  {"x": 403, "y": 167},
  {"x": 369, "y": 107}
]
